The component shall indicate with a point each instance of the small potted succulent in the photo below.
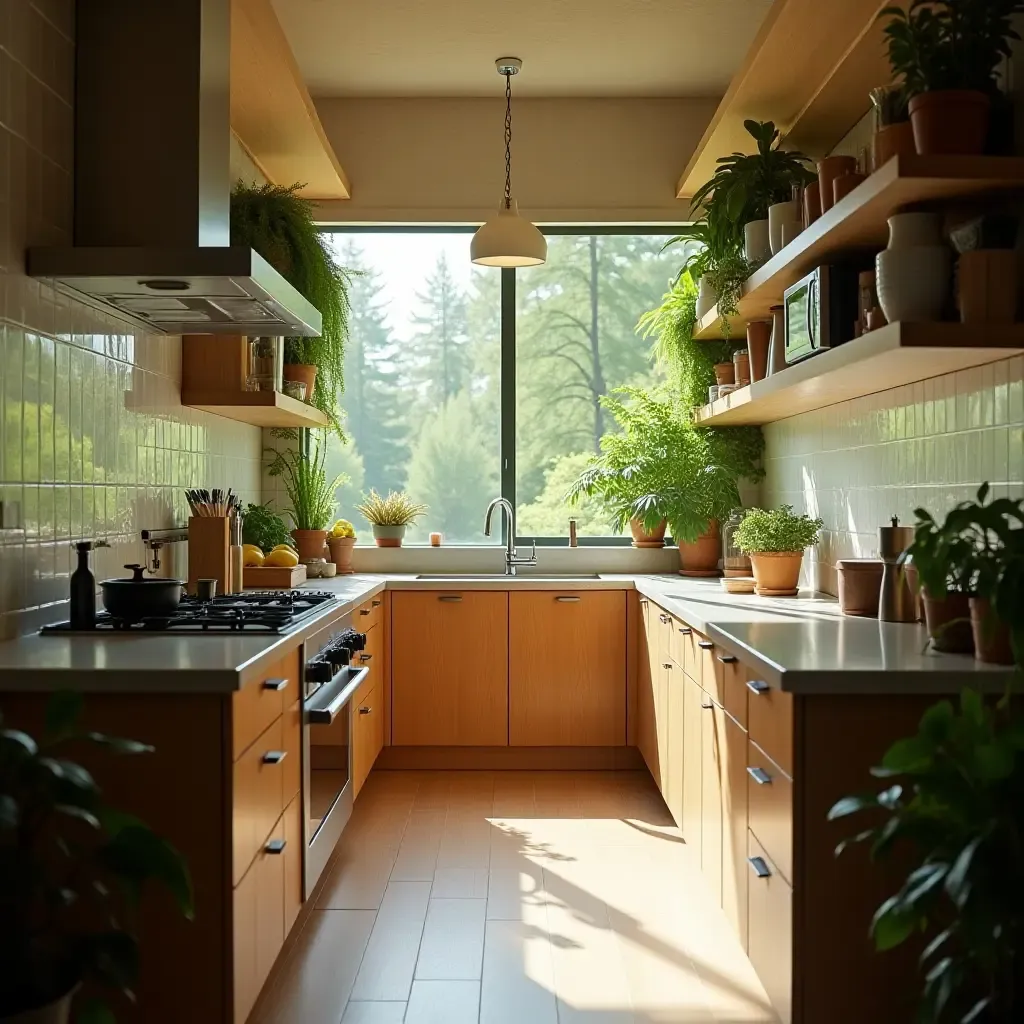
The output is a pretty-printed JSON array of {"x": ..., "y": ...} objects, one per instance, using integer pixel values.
[
  {"x": 894, "y": 135},
  {"x": 341, "y": 540},
  {"x": 775, "y": 540},
  {"x": 389, "y": 517}
]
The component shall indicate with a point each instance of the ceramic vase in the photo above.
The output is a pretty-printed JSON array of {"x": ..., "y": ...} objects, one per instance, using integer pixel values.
[
  {"x": 706, "y": 297},
  {"x": 388, "y": 536},
  {"x": 777, "y": 346},
  {"x": 812, "y": 203},
  {"x": 913, "y": 274},
  {"x": 759, "y": 336},
  {"x": 860, "y": 586},
  {"x": 828, "y": 170},
  {"x": 757, "y": 245},
  {"x": 784, "y": 221},
  {"x": 950, "y": 121}
]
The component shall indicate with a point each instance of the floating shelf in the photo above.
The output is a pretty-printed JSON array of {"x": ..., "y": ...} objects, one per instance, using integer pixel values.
[
  {"x": 260, "y": 408},
  {"x": 898, "y": 354},
  {"x": 858, "y": 221}
]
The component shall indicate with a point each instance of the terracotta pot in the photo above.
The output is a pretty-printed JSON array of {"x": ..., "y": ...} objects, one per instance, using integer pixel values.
[
  {"x": 986, "y": 281},
  {"x": 341, "y": 553},
  {"x": 812, "y": 203},
  {"x": 828, "y": 170},
  {"x": 860, "y": 584},
  {"x": 647, "y": 538},
  {"x": 845, "y": 184},
  {"x": 303, "y": 373},
  {"x": 950, "y": 121},
  {"x": 759, "y": 335},
  {"x": 725, "y": 373},
  {"x": 892, "y": 140},
  {"x": 776, "y": 573},
  {"x": 388, "y": 536},
  {"x": 701, "y": 557},
  {"x": 309, "y": 543},
  {"x": 57, "y": 1012},
  {"x": 991, "y": 637},
  {"x": 741, "y": 368},
  {"x": 949, "y": 622}
]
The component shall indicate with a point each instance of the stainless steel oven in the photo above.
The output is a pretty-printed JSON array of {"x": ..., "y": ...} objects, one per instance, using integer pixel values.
[{"x": 329, "y": 683}]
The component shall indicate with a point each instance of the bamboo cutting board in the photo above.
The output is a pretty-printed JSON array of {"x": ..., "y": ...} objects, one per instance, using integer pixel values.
[{"x": 273, "y": 577}]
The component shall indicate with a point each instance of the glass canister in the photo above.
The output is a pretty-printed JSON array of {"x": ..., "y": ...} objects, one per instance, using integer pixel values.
[
  {"x": 736, "y": 563},
  {"x": 266, "y": 364}
]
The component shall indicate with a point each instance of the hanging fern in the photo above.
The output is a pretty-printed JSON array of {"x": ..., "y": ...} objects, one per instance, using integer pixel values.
[{"x": 278, "y": 223}]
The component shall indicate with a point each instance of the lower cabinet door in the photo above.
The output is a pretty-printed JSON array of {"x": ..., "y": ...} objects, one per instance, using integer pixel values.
[
  {"x": 770, "y": 929},
  {"x": 711, "y": 797},
  {"x": 646, "y": 714},
  {"x": 292, "y": 863},
  {"x": 675, "y": 697},
  {"x": 732, "y": 753},
  {"x": 692, "y": 768},
  {"x": 367, "y": 736}
]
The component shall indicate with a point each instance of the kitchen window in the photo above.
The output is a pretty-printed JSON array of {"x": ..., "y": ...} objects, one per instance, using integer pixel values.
[{"x": 464, "y": 382}]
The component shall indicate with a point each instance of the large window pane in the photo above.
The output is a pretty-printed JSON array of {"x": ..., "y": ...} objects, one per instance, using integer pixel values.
[
  {"x": 575, "y": 341},
  {"x": 422, "y": 388}
]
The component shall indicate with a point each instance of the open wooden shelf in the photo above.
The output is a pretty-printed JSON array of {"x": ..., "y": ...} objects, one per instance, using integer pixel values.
[
  {"x": 898, "y": 354},
  {"x": 260, "y": 408},
  {"x": 859, "y": 222}
]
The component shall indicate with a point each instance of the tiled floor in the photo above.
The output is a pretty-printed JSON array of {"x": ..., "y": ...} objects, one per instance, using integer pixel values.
[{"x": 514, "y": 898}]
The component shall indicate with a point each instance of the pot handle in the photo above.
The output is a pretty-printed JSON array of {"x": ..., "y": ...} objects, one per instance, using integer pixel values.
[{"x": 137, "y": 571}]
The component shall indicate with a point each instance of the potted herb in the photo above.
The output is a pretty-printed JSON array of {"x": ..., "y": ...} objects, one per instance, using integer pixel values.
[
  {"x": 775, "y": 540},
  {"x": 389, "y": 517},
  {"x": 945, "y": 54},
  {"x": 340, "y": 541},
  {"x": 278, "y": 224},
  {"x": 311, "y": 496},
  {"x": 264, "y": 528},
  {"x": 71, "y": 868}
]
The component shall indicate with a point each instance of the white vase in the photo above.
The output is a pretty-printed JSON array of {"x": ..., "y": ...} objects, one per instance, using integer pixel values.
[
  {"x": 757, "y": 246},
  {"x": 915, "y": 230},
  {"x": 783, "y": 222},
  {"x": 913, "y": 282},
  {"x": 706, "y": 297}
]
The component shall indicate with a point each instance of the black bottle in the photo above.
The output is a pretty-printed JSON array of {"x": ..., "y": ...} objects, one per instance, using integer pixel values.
[{"x": 83, "y": 590}]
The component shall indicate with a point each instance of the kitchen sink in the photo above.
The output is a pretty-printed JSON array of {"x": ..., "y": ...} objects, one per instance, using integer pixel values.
[{"x": 532, "y": 577}]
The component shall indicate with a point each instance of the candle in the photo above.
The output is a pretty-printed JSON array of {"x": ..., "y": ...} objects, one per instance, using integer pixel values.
[{"x": 435, "y": 540}]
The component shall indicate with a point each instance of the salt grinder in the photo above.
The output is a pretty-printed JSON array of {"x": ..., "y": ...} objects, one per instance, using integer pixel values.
[{"x": 896, "y": 600}]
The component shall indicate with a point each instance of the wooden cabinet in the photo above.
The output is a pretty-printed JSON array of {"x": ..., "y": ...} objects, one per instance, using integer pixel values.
[
  {"x": 770, "y": 721},
  {"x": 450, "y": 668},
  {"x": 693, "y": 729},
  {"x": 675, "y": 684},
  {"x": 292, "y": 862},
  {"x": 770, "y": 802},
  {"x": 567, "y": 668},
  {"x": 258, "y": 787},
  {"x": 770, "y": 928},
  {"x": 712, "y": 799},
  {"x": 646, "y": 715},
  {"x": 367, "y": 736},
  {"x": 732, "y": 761}
]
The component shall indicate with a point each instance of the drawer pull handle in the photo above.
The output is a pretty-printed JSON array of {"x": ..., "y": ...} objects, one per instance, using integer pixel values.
[
  {"x": 365, "y": 710},
  {"x": 274, "y": 684},
  {"x": 706, "y": 707},
  {"x": 450, "y": 598},
  {"x": 375, "y": 603},
  {"x": 274, "y": 756},
  {"x": 759, "y": 867},
  {"x": 364, "y": 611},
  {"x": 365, "y": 658},
  {"x": 685, "y": 630},
  {"x": 666, "y": 664},
  {"x": 705, "y": 645},
  {"x": 664, "y": 618},
  {"x": 727, "y": 659},
  {"x": 275, "y": 846},
  {"x": 760, "y": 776},
  {"x": 757, "y": 686},
  {"x": 567, "y": 599}
]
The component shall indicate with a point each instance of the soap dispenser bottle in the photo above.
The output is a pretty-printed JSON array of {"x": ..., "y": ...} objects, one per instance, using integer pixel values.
[{"x": 83, "y": 588}]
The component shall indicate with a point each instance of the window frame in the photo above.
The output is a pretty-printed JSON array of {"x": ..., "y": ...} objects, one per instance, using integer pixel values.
[{"x": 507, "y": 313}]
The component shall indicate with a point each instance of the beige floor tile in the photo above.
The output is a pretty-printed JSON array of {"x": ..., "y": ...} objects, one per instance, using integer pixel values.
[
  {"x": 465, "y": 844},
  {"x": 417, "y": 856},
  {"x": 453, "y": 940},
  {"x": 444, "y": 1002},
  {"x": 511, "y": 890},
  {"x": 518, "y": 984},
  {"x": 374, "y": 1013},
  {"x": 459, "y": 883},
  {"x": 359, "y": 875},
  {"x": 390, "y": 958}
]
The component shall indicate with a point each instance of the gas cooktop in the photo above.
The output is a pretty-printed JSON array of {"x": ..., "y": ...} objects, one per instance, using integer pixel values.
[{"x": 277, "y": 611}]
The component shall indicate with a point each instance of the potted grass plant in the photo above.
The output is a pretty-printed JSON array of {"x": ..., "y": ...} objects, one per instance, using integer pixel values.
[
  {"x": 389, "y": 517},
  {"x": 311, "y": 496},
  {"x": 775, "y": 540},
  {"x": 72, "y": 870},
  {"x": 278, "y": 223}
]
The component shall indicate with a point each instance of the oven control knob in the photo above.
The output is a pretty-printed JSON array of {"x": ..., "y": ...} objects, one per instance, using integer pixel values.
[{"x": 319, "y": 671}]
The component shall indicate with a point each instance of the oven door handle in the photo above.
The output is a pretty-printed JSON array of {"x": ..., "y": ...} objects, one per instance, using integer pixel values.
[{"x": 323, "y": 707}]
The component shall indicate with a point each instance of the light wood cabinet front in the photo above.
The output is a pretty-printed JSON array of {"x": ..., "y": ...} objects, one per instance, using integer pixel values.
[
  {"x": 692, "y": 767},
  {"x": 732, "y": 754},
  {"x": 675, "y": 698},
  {"x": 646, "y": 714},
  {"x": 712, "y": 782},
  {"x": 450, "y": 668},
  {"x": 367, "y": 736},
  {"x": 567, "y": 668},
  {"x": 770, "y": 935},
  {"x": 292, "y": 862},
  {"x": 258, "y": 787}
]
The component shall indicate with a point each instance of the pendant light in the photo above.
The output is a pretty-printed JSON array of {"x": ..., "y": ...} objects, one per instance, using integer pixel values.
[{"x": 507, "y": 240}]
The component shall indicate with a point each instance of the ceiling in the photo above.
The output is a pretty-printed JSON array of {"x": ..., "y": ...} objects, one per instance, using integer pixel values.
[{"x": 568, "y": 47}]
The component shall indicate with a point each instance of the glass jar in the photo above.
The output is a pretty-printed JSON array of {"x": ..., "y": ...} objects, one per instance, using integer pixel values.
[
  {"x": 266, "y": 364},
  {"x": 736, "y": 563}
]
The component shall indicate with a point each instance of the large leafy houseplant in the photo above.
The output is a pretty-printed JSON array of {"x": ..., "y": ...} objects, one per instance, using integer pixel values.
[
  {"x": 278, "y": 223},
  {"x": 306, "y": 484},
  {"x": 71, "y": 870}
]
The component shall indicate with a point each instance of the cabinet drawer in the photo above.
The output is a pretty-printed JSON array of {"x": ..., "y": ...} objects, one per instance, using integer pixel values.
[
  {"x": 726, "y": 683},
  {"x": 680, "y": 643},
  {"x": 257, "y": 704},
  {"x": 291, "y": 767},
  {"x": 258, "y": 796},
  {"x": 705, "y": 664},
  {"x": 770, "y": 722},
  {"x": 770, "y": 928},
  {"x": 367, "y": 736},
  {"x": 770, "y": 808},
  {"x": 368, "y": 614},
  {"x": 371, "y": 657}
]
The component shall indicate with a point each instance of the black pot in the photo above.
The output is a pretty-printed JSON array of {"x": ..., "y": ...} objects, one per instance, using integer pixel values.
[{"x": 140, "y": 598}]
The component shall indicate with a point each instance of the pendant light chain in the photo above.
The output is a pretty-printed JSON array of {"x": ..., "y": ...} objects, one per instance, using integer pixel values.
[{"x": 508, "y": 141}]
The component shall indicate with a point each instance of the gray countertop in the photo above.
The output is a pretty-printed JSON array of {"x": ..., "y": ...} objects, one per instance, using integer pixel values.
[{"x": 803, "y": 644}]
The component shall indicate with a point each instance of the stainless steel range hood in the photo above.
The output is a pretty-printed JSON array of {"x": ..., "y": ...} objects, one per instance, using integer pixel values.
[{"x": 152, "y": 131}]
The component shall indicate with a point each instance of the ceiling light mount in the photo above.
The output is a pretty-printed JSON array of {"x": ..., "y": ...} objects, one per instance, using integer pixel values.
[{"x": 508, "y": 66}]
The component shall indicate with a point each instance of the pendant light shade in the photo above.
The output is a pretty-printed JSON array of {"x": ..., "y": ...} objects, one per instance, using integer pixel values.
[{"x": 506, "y": 240}]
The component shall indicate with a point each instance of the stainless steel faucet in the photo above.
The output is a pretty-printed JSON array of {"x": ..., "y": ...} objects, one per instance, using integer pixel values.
[{"x": 511, "y": 558}]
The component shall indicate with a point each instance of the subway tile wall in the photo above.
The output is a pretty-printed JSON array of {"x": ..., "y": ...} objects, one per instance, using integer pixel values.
[
  {"x": 929, "y": 444},
  {"x": 94, "y": 442}
]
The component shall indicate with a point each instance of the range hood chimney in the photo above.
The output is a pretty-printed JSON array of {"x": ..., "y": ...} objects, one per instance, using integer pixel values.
[{"x": 152, "y": 188}]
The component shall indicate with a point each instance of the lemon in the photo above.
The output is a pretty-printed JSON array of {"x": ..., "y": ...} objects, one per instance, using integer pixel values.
[
  {"x": 281, "y": 558},
  {"x": 252, "y": 555},
  {"x": 283, "y": 547}
]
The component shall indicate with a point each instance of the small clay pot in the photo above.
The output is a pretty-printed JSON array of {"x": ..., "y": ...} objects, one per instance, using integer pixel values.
[
  {"x": 341, "y": 553},
  {"x": 741, "y": 368},
  {"x": 949, "y": 622},
  {"x": 812, "y": 203},
  {"x": 303, "y": 373},
  {"x": 986, "y": 284},
  {"x": 701, "y": 557},
  {"x": 759, "y": 336},
  {"x": 892, "y": 140},
  {"x": 309, "y": 543},
  {"x": 991, "y": 637},
  {"x": 860, "y": 584},
  {"x": 643, "y": 538},
  {"x": 829, "y": 169},
  {"x": 777, "y": 573},
  {"x": 845, "y": 184},
  {"x": 725, "y": 373},
  {"x": 388, "y": 536},
  {"x": 950, "y": 121}
]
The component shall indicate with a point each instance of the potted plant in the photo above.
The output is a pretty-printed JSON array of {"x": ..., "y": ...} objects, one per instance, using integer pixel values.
[
  {"x": 341, "y": 540},
  {"x": 278, "y": 223},
  {"x": 945, "y": 54},
  {"x": 311, "y": 496},
  {"x": 264, "y": 528},
  {"x": 389, "y": 517},
  {"x": 894, "y": 135},
  {"x": 775, "y": 540},
  {"x": 71, "y": 868}
]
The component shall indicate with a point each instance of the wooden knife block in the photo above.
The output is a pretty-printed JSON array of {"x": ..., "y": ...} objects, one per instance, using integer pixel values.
[{"x": 208, "y": 556}]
